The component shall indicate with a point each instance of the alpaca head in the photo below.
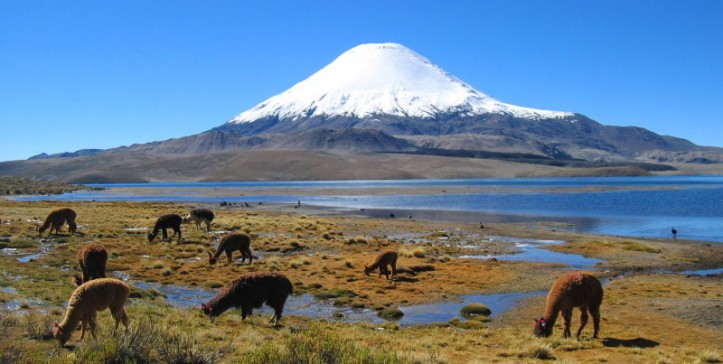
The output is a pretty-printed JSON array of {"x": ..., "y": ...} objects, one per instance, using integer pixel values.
[
  {"x": 150, "y": 237},
  {"x": 211, "y": 259},
  {"x": 58, "y": 334},
  {"x": 542, "y": 328},
  {"x": 208, "y": 311},
  {"x": 367, "y": 270}
]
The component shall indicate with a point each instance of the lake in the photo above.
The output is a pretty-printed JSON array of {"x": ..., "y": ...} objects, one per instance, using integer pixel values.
[{"x": 629, "y": 206}]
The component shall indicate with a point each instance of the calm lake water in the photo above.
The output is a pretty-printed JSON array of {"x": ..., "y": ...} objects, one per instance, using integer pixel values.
[{"x": 630, "y": 206}]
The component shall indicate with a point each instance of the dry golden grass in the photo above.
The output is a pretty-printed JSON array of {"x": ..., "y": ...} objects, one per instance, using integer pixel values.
[{"x": 646, "y": 317}]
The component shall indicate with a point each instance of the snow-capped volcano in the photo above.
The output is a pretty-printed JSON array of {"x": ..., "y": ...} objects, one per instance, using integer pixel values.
[{"x": 383, "y": 79}]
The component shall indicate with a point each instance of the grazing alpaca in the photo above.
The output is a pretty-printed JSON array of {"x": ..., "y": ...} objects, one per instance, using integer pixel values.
[
  {"x": 86, "y": 301},
  {"x": 384, "y": 259},
  {"x": 164, "y": 222},
  {"x": 250, "y": 291},
  {"x": 91, "y": 259},
  {"x": 574, "y": 289},
  {"x": 199, "y": 215},
  {"x": 57, "y": 218},
  {"x": 230, "y": 243}
]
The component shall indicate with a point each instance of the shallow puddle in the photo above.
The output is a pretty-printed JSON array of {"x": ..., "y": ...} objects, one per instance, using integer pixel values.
[
  {"x": 307, "y": 305},
  {"x": 703, "y": 272},
  {"x": 531, "y": 250}
]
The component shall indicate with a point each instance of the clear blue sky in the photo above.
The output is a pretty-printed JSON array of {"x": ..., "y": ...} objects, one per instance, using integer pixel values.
[{"x": 101, "y": 74}]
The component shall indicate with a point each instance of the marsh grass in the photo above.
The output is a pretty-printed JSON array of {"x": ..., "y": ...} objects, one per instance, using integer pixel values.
[
  {"x": 149, "y": 341},
  {"x": 313, "y": 346},
  {"x": 501, "y": 339},
  {"x": 639, "y": 247},
  {"x": 37, "y": 326},
  {"x": 708, "y": 356}
]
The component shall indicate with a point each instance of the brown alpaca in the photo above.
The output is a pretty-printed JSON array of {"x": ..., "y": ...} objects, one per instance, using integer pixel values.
[
  {"x": 86, "y": 301},
  {"x": 250, "y": 291},
  {"x": 91, "y": 259},
  {"x": 230, "y": 243},
  {"x": 384, "y": 259},
  {"x": 198, "y": 216},
  {"x": 57, "y": 218},
  {"x": 574, "y": 289},
  {"x": 164, "y": 222}
]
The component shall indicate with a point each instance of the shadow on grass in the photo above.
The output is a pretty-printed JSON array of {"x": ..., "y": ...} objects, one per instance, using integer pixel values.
[{"x": 629, "y": 343}]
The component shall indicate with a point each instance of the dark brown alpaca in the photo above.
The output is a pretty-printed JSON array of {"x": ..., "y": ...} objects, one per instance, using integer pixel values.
[
  {"x": 164, "y": 222},
  {"x": 574, "y": 289},
  {"x": 198, "y": 216},
  {"x": 57, "y": 218},
  {"x": 91, "y": 259},
  {"x": 250, "y": 291},
  {"x": 384, "y": 259},
  {"x": 231, "y": 243}
]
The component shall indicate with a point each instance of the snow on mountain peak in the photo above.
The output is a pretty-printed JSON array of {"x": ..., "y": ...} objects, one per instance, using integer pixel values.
[{"x": 383, "y": 78}]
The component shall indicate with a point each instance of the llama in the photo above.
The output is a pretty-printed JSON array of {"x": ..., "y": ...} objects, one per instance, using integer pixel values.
[
  {"x": 92, "y": 258},
  {"x": 199, "y": 215},
  {"x": 56, "y": 219},
  {"x": 230, "y": 243},
  {"x": 574, "y": 289},
  {"x": 86, "y": 301},
  {"x": 164, "y": 222},
  {"x": 384, "y": 259},
  {"x": 250, "y": 291}
]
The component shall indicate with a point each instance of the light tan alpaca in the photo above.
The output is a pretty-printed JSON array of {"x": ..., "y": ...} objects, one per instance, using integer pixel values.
[
  {"x": 574, "y": 289},
  {"x": 198, "y": 216},
  {"x": 57, "y": 218},
  {"x": 92, "y": 258},
  {"x": 86, "y": 301},
  {"x": 384, "y": 259}
]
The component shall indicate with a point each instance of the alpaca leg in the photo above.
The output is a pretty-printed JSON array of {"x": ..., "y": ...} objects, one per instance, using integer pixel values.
[
  {"x": 92, "y": 326},
  {"x": 595, "y": 312},
  {"x": 208, "y": 226},
  {"x": 83, "y": 325},
  {"x": 165, "y": 234},
  {"x": 120, "y": 316},
  {"x": 567, "y": 319},
  {"x": 394, "y": 270},
  {"x": 277, "y": 316},
  {"x": 229, "y": 256},
  {"x": 583, "y": 320}
]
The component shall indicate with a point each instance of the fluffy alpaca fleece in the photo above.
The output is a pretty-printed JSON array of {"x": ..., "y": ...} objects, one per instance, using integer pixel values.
[
  {"x": 384, "y": 259},
  {"x": 164, "y": 222},
  {"x": 249, "y": 291},
  {"x": 57, "y": 218},
  {"x": 230, "y": 243},
  {"x": 198, "y": 216},
  {"x": 86, "y": 301},
  {"x": 92, "y": 258},
  {"x": 574, "y": 289}
]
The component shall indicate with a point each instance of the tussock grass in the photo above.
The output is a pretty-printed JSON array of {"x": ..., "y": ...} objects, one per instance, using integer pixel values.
[
  {"x": 312, "y": 346},
  {"x": 413, "y": 251},
  {"x": 639, "y": 247},
  {"x": 708, "y": 356}
]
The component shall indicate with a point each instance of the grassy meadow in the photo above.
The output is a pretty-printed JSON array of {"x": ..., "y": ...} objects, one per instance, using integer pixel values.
[{"x": 647, "y": 316}]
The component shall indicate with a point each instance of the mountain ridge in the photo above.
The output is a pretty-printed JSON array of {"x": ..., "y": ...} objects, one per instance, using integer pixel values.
[{"x": 389, "y": 102}]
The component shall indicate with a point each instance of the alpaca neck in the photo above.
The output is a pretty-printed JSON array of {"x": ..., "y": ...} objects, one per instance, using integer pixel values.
[
  {"x": 551, "y": 313},
  {"x": 72, "y": 317}
]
